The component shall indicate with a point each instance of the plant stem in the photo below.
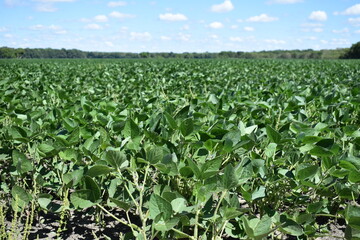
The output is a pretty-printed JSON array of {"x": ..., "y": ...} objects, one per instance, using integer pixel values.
[
  {"x": 130, "y": 225},
  {"x": 182, "y": 233}
]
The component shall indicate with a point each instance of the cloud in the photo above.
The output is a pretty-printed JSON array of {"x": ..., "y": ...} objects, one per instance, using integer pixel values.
[
  {"x": 173, "y": 17},
  {"x": 3, "y": 29},
  {"x": 262, "y": 18},
  {"x": 12, "y": 3},
  {"x": 184, "y": 37},
  {"x": 318, "y": 16},
  {"x": 185, "y": 27},
  {"x": 8, "y": 35},
  {"x": 354, "y": 21},
  {"x": 93, "y": 26},
  {"x": 236, "y": 39},
  {"x": 117, "y": 4},
  {"x": 54, "y": 1},
  {"x": 165, "y": 38},
  {"x": 285, "y": 1},
  {"x": 344, "y": 30},
  {"x": 226, "y": 6},
  {"x": 109, "y": 44},
  {"x": 40, "y": 27},
  {"x": 101, "y": 18},
  {"x": 141, "y": 36},
  {"x": 216, "y": 25},
  {"x": 249, "y": 29},
  {"x": 274, "y": 41},
  {"x": 357, "y": 31},
  {"x": 46, "y": 8},
  {"x": 234, "y": 26},
  {"x": 121, "y": 15},
  {"x": 353, "y": 10},
  {"x": 312, "y": 25}
]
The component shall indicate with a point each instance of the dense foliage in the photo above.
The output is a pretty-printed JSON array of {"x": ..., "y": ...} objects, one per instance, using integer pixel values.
[
  {"x": 197, "y": 149},
  {"x": 6, "y": 52},
  {"x": 353, "y": 52}
]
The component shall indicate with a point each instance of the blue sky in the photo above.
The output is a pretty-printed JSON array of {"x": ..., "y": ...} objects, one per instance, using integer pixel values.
[{"x": 180, "y": 25}]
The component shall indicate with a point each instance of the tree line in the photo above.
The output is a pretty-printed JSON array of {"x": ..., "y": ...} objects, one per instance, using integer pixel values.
[{"x": 353, "y": 52}]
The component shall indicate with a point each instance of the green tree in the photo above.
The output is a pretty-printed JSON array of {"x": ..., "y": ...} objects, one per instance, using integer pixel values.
[{"x": 354, "y": 52}]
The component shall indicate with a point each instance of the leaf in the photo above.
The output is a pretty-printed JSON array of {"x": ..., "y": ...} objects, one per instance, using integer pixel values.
[
  {"x": 194, "y": 168},
  {"x": 321, "y": 152},
  {"x": 292, "y": 228},
  {"x": 120, "y": 204},
  {"x": 170, "y": 120},
  {"x": 257, "y": 228},
  {"x": 179, "y": 205},
  {"x": 131, "y": 129},
  {"x": 273, "y": 134},
  {"x": 270, "y": 150},
  {"x": 352, "y": 216},
  {"x": 306, "y": 171},
  {"x": 93, "y": 188},
  {"x": 229, "y": 178},
  {"x": 20, "y": 196},
  {"x": 20, "y": 161},
  {"x": 155, "y": 154},
  {"x": 258, "y": 193},
  {"x": 158, "y": 205},
  {"x": 167, "y": 225},
  {"x": 187, "y": 127},
  {"x": 98, "y": 170},
  {"x": 115, "y": 158},
  {"x": 80, "y": 199}
]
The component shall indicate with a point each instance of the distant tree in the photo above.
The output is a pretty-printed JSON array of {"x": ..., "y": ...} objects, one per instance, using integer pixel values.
[{"x": 354, "y": 52}]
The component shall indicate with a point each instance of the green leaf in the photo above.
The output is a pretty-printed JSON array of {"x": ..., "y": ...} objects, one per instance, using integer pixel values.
[
  {"x": 292, "y": 228},
  {"x": 94, "y": 190},
  {"x": 352, "y": 216},
  {"x": 179, "y": 205},
  {"x": 20, "y": 196},
  {"x": 306, "y": 171},
  {"x": 121, "y": 204},
  {"x": 257, "y": 228},
  {"x": 354, "y": 176},
  {"x": 131, "y": 129},
  {"x": 273, "y": 134},
  {"x": 229, "y": 178},
  {"x": 321, "y": 152},
  {"x": 98, "y": 170},
  {"x": 270, "y": 150},
  {"x": 158, "y": 205},
  {"x": 155, "y": 154},
  {"x": 187, "y": 127},
  {"x": 80, "y": 199},
  {"x": 167, "y": 225},
  {"x": 115, "y": 158},
  {"x": 170, "y": 120},
  {"x": 23, "y": 165},
  {"x": 259, "y": 193}
]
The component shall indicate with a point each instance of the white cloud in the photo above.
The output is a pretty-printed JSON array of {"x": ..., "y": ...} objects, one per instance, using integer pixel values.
[
  {"x": 121, "y": 15},
  {"x": 184, "y": 37},
  {"x": 101, "y": 18},
  {"x": 226, "y": 6},
  {"x": 354, "y": 21},
  {"x": 249, "y": 29},
  {"x": 3, "y": 29},
  {"x": 236, "y": 39},
  {"x": 93, "y": 26},
  {"x": 357, "y": 31},
  {"x": 109, "y": 44},
  {"x": 214, "y": 36},
  {"x": 141, "y": 36},
  {"x": 53, "y": 1},
  {"x": 339, "y": 41},
  {"x": 40, "y": 27},
  {"x": 262, "y": 18},
  {"x": 234, "y": 26},
  {"x": 285, "y": 1},
  {"x": 165, "y": 38},
  {"x": 46, "y": 8},
  {"x": 117, "y": 4},
  {"x": 344, "y": 30},
  {"x": 185, "y": 27},
  {"x": 85, "y": 20},
  {"x": 312, "y": 38},
  {"x": 312, "y": 25},
  {"x": 173, "y": 17},
  {"x": 353, "y": 10},
  {"x": 8, "y": 35},
  {"x": 274, "y": 41},
  {"x": 216, "y": 25},
  {"x": 318, "y": 16},
  {"x": 61, "y": 32}
]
